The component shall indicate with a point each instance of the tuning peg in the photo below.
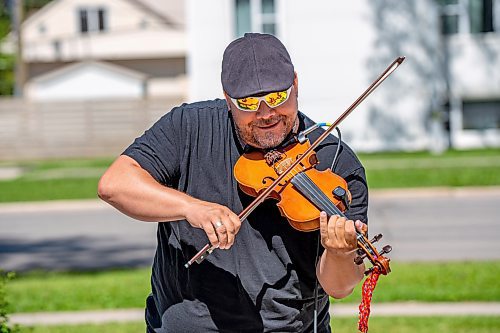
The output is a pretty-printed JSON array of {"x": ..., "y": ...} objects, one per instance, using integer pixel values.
[
  {"x": 359, "y": 259},
  {"x": 376, "y": 238},
  {"x": 386, "y": 249}
]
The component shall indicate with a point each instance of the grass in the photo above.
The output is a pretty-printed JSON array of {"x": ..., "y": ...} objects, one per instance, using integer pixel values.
[
  {"x": 467, "y": 324},
  {"x": 53, "y": 180},
  {"x": 436, "y": 282},
  {"x": 427, "y": 282},
  {"x": 422, "y": 169},
  {"x": 134, "y": 327},
  {"x": 466, "y": 176},
  {"x": 50, "y": 189},
  {"x": 420, "y": 324},
  {"x": 52, "y": 291},
  {"x": 77, "y": 179}
]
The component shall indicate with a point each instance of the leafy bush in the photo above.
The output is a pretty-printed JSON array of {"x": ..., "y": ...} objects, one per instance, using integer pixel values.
[
  {"x": 6, "y": 74},
  {"x": 6, "y": 61},
  {"x": 5, "y": 327}
]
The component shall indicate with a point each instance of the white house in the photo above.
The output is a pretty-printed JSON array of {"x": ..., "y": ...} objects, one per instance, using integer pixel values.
[
  {"x": 87, "y": 80},
  {"x": 338, "y": 48},
  {"x": 126, "y": 34}
]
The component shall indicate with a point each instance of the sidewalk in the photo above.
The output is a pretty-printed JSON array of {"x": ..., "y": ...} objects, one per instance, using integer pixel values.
[{"x": 336, "y": 310}]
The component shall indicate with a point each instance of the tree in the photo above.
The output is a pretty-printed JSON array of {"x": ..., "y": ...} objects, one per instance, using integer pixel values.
[{"x": 7, "y": 61}]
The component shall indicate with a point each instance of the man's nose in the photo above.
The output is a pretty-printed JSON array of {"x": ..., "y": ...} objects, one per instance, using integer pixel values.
[{"x": 265, "y": 111}]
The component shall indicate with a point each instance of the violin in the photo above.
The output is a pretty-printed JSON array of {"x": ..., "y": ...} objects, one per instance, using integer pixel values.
[
  {"x": 304, "y": 192},
  {"x": 295, "y": 168}
]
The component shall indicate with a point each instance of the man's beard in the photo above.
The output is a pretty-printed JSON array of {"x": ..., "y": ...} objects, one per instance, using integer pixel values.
[{"x": 269, "y": 139}]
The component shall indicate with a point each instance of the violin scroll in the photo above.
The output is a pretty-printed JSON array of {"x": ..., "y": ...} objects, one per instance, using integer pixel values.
[{"x": 367, "y": 250}]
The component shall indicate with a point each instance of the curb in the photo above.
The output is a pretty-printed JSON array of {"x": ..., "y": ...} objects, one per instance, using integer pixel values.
[
  {"x": 417, "y": 309},
  {"x": 53, "y": 205},
  {"x": 413, "y": 309},
  {"x": 77, "y": 317}
]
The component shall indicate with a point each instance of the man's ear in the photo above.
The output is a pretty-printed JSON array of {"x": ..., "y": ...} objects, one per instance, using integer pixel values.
[{"x": 296, "y": 84}]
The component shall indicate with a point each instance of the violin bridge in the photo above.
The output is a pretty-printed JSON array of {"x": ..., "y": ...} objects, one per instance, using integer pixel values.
[
  {"x": 283, "y": 165},
  {"x": 278, "y": 160}
]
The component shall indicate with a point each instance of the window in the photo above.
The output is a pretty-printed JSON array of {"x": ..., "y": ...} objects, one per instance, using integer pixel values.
[
  {"x": 255, "y": 16},
  {"x": 92, "y": 19},
  {"x": 268, "y": 17},
  {"x": 480, "y": 115},
  {"x": 42, "y": 29},
  {"x": 467, "y": 16},
  {"x": 56, "y": 44},
  {"x": 450, "y": 14},
  {"x": 481, "y": 16}
]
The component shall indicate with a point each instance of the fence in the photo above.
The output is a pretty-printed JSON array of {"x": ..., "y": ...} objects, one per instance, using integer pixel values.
[{"x": 30, "y": 130}]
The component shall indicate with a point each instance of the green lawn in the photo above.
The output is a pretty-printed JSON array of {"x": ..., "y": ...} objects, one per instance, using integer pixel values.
[
  {"x": 53, "y": 180},
  {"x": 134, "y": 327},
  {"x": 77, "y": 179},
  {"x": 52, "y": 291},
  {"x": 422, "y": 169},
  {"x": 49, "y": 189},
  {"x": 428, "y": 282},
  {"x": 420, "y": 325},
  {"x": 437, "y": 282},
  {"x": 339, "y": 325}
]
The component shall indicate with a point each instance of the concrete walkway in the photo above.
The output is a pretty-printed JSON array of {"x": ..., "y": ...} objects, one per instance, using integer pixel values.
[{"x": 337, "y": 310}]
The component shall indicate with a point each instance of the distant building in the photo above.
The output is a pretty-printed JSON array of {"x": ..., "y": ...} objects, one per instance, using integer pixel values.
[
  {"x": 87, "y": 80},
  {"x": 117, "y": 43},
  {"x": 446, "y": 92}
]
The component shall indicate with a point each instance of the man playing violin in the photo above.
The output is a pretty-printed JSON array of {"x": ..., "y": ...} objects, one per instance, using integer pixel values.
[{"x": 263, "y": 276}]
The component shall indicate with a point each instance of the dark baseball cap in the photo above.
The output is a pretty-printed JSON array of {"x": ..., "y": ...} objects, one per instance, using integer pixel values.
[{"x": 255, "y": 64}]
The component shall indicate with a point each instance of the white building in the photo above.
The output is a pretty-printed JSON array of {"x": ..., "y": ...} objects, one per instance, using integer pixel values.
[
  {"x": 112, "y": 39},
  {"x": 87, "y": 80},
  {"x": 338, "y": 48}
]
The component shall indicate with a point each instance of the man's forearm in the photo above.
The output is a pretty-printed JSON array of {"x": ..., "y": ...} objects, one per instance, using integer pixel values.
[
  {"x": 338, "y": 274},
  {"x": 132, "y": 190}
]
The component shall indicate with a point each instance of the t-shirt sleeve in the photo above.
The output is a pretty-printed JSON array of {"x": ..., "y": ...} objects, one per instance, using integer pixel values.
[
  {"x": 356, "y": 183},
  {"x": 157, "y": 150}
]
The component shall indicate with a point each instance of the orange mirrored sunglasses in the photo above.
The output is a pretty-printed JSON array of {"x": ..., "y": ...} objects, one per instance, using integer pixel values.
[{"x": 252, "y": 104}]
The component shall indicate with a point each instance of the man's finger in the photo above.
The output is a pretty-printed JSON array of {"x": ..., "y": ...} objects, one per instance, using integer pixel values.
[
  {"x": 229, "y": 231},
  {"x": 210, "y": 231},
  {"x": 363, "y": 228},
  {"x": 350, "y": 233},
  {"x": 323, "y": 226},
  {"x": 221, "y": 231},
  {"x": 235, "y": 222},
  {"x": 340, "y": 230}
]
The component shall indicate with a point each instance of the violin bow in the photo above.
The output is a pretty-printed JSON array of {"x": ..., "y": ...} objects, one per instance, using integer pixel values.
[{"x": 208, "y": 248}]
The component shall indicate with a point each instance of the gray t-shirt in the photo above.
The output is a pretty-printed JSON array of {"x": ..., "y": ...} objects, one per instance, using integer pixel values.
[{"x": 266, "y": 281}]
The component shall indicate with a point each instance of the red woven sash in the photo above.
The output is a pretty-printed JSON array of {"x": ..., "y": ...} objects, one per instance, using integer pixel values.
[{"x": 367, "y": 293}]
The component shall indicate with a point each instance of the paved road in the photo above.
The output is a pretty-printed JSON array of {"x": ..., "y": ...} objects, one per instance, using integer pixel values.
[
  {"x": 439, "y": 224},
  {"x": 67, "y": 235}
]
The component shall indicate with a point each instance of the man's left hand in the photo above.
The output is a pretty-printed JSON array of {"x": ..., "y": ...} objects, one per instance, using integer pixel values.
[{"x": 338, "y": 235}]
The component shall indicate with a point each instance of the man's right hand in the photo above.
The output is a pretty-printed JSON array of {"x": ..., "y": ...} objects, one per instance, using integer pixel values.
[
  {"x": 133, "y": 191},
  {"x": 219, "y": 223}
]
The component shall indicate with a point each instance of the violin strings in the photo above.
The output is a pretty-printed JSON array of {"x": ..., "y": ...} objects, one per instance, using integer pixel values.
[
  {"x": 321, "y": 199},
  {"x": 317, "y": 195}
]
